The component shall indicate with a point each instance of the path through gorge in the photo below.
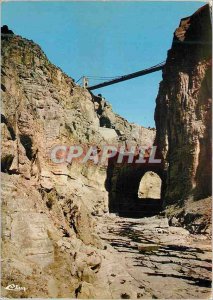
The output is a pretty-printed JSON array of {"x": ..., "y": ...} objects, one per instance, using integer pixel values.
[{"x": 165, "y": 262}]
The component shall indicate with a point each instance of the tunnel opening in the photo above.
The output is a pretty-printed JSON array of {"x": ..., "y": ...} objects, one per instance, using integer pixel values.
[
  {"x": 135, "y": 191},
  {"x": 150, "y": 186}
]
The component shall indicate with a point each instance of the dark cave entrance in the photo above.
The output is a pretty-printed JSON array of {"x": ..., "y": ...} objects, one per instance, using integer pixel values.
[{"x": 135, "y": 190}]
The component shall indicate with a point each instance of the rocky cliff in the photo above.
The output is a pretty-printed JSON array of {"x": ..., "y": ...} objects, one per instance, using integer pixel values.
[
  {"x": 183, "y": 110},
  {"x": 48, "y": 209}
]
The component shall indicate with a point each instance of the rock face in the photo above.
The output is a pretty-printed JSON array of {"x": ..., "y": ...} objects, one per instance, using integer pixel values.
[
  {"x": 48, "y": 208},
  {"x": 183, "y": 110},
  {"x": 6, "y": 30},
  {"x": 130, "y": 133}
]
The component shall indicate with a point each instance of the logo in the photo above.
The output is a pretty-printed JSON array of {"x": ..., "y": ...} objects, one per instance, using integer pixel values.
[
  {"x": 100, "y": 155},
  {"x": 15, "y": 287}
]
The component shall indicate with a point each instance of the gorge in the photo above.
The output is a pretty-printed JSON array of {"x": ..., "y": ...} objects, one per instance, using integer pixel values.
[{"x": 116, "y": 231}]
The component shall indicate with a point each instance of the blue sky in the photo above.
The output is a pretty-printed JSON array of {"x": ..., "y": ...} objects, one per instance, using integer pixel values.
[{"x": 105, "y": 39}]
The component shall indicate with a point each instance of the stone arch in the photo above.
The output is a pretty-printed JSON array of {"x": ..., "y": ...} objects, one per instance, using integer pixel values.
[{"x": 123, "y": 183}]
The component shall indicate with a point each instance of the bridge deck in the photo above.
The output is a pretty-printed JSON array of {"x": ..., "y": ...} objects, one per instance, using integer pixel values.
[{"x": 127, "y": 77}]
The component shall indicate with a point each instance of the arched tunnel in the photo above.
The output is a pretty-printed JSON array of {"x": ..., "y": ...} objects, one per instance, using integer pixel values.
[{"x": 135, "y": 190}]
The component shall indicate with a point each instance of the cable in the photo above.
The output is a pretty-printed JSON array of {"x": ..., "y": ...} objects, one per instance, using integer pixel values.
[
  {"x": 102, "y": 79},
  {"x": 79, "y": 79},
  {"x": 120, "y": 76}
]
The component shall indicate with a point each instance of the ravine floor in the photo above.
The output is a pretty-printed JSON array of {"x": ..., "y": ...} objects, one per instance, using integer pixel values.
[{"x": 165, "y": 262}]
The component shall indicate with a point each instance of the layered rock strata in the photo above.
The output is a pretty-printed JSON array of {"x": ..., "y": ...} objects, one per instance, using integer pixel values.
[
  {"x": 183, "y": 110},
  {"x": 50, "y": 246}
]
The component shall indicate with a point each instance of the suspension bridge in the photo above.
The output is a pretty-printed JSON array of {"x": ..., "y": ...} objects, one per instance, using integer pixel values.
[{"x": 105, "y": 81}]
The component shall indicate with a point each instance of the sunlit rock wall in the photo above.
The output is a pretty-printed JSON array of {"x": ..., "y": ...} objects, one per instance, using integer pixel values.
[{"x": 183, "y": 110}]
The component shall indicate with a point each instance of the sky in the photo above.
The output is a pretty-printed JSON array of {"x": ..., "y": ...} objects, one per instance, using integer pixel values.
[{"x": 105, "y": 39}]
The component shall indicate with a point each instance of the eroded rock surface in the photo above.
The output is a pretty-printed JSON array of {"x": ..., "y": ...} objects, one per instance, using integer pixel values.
[
  {"x": 183, "y": 111},
  {"x": 166, "y": 262},
  {"x": 50, "y": 246}
]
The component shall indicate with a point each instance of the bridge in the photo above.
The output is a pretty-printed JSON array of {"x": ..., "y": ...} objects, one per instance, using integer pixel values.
[{"x": 114, "y": 80}]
